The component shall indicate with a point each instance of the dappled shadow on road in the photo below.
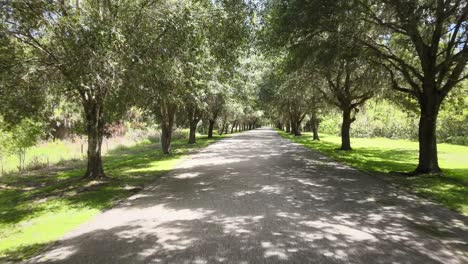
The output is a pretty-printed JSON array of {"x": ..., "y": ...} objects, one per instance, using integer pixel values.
[{"x": 256, "y": 198}]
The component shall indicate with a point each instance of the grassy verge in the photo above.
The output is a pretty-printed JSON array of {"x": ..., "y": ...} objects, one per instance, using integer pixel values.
[
  {"x": 41, "y": 206},
  {"x": 51, "y": 153},
  {"x": 381, "y": 155}
]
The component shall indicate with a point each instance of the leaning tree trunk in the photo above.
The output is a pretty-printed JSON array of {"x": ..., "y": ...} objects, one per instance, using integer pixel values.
[
  {"x": 345, "y": 130},
  {"x": 233, "y": 126},
  {"x": 167, "y": 114},
  {"x": 288, "y": 127},
  {"x": 95, "y": 130},
  {"x": 428, "y": 161},
  {"x": 210, "y": 128},
  {"x": 222, "y": 128}
]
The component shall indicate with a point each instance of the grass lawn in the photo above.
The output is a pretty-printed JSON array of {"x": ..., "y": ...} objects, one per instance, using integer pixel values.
[
  {"x": 40, "y": 206},
  {"x": 52, "y": 152},
  {"x": 384, "y": 155}
]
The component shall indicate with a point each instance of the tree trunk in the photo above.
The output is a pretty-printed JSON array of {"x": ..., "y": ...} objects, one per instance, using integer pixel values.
[
  {"x": 293, "y": 127},
  {"x": 288, "y": 127},
  {"x": 314, "y": 125},
  {"x": 221, "y": 131},
  {"x": 279, "y": 125},
  {"x": 428, "y": 160},
  {"x": 193, "y": 119},
  {"x": 210, "y": 128},
  {"x": 192, "y": 133},
  {"x": 295, "y": 124},
  {"x": 345, "y": 130},
  {"x": 95, "y": 130},
  {"x": 167, "y": 114},
  {"x": 315, "y": 132},
  {"x": 297, "y": 128},
  {"x": 233, "y": 126}
]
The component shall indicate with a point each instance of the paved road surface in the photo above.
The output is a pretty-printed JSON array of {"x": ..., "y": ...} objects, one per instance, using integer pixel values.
[{"x": 258, "y": 198}]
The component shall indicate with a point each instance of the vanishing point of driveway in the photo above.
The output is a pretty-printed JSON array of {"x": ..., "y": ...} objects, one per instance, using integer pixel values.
[{"x": 258, "y": 198}]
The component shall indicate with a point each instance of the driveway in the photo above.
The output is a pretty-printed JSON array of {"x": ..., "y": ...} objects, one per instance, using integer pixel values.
[{"x": 259, "y": 198}]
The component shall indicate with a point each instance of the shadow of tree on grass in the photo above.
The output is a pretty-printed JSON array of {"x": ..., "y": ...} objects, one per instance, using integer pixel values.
[
  {"x": 26, "y": 199},
  {"x": 267, "y": 202},
  {"x": 448, "y": 189}
]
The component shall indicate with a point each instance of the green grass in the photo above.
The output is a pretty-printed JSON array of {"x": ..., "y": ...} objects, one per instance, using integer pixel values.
[
  {"x": 50, "y": 152},
  {"x": 382, "y": 155},
  {"x": 41, "y": 206}
]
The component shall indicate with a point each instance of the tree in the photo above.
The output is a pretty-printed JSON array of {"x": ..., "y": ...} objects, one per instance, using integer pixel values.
[
  {"x": 289, "y": 92},
  {"x": 23, "y": 136},
  {"x": 177, "y": 47},
  {"x": 22, "y": 94},
  {"x": 350, "y": 78},
  {"x": 5, "y": 143},
  {"x": 215, "y": 104},
  {"x": 156, "y": 57},
  {"x": 317, "y": 105},
  {"x": 84, "y": 44},
  {"x": 320, "y": 35},
  {"x": 423, "y": 44}
]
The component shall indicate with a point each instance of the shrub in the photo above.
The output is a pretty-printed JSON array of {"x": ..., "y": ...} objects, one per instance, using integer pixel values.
[
  {"x": 381, "y": 118},
  {"x": 25, "y": 135},
  {"x": 36, "y": 163},
  {"x": 180, "y": 134}
]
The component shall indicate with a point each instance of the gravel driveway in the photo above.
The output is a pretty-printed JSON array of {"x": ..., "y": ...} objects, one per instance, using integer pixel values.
[{"x": 258, "y": 198}]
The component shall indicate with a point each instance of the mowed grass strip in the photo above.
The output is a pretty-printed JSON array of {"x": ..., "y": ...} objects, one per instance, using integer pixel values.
[
  {"x": 40, "y": 206},
  {"x": 383, "y": 155}
]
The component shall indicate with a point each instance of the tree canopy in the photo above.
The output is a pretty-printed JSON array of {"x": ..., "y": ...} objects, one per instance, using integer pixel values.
[{"x": 230, "y": 64}]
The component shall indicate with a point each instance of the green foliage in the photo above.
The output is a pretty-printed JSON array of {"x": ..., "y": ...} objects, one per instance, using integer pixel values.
[
  {"x": 382, "y": 118},
  {"x": 452, "y": 123},
  {"x": 18, "y": 139},
  {"x": 25, "y": 135},
  {"x": 5, "y": 146},
  {"x": 415, "y": 47},
  {"x": 21, "y": 93}
]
